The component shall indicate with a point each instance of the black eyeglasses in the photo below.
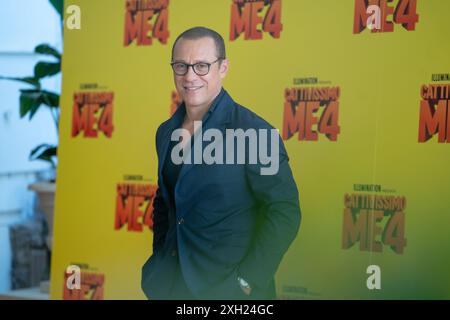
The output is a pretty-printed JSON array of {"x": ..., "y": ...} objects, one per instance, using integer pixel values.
[{"x": 200, "y": 68}]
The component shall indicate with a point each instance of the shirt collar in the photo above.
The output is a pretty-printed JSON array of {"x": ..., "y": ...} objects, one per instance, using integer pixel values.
[
  {"x": 177, "y": 118},
  {"x": 213, "y": 105}
]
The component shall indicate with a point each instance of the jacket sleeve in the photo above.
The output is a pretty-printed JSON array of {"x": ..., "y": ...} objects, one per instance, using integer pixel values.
[
  {"x": 160, "y": 213},
  {"x": 278, "y": 220}
]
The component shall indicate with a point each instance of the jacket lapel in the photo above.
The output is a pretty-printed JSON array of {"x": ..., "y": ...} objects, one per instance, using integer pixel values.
[{"x": 173, "y": 123}]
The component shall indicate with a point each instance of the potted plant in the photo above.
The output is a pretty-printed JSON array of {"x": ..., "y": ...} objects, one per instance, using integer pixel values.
[{"x": 31, "y": 100}]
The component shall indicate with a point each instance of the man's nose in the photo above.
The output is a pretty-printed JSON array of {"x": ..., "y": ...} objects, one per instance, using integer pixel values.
[{"x": 190, "y": 73}]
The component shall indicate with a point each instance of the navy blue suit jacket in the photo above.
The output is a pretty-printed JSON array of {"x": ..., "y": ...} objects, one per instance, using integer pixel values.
[{"x": 229, "y": 219}]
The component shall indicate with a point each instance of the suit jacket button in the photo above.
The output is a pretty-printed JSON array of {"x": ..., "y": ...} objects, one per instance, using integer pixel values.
[
  {"x": 181, "y": 221},
  {"x": 174, "y": 253}
]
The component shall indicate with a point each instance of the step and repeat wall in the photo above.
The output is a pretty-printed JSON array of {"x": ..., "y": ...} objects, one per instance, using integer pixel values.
[{"x": 359, "y": 91}]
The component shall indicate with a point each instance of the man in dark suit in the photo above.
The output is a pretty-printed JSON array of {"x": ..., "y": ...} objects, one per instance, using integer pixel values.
[{"x": 220, "y": 227}]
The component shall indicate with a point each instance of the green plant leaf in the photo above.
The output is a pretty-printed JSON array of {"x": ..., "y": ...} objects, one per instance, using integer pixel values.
[
  {"x": 29, "y": 80},
  {"x": 31, "y": 100},
  {"x": 59, "y": 6},
  {"x": 46, "y": 49},
  {"x": 50, "y": 99},
  {"x": 44, "y": 152},
  {"x": 44, "y": 69}
]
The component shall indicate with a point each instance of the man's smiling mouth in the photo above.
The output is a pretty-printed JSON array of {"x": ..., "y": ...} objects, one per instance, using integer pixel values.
[{"x": 192, "y": 88}]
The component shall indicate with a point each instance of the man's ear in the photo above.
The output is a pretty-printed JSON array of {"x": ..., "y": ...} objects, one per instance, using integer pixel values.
[{"x": 224, "y": 68}]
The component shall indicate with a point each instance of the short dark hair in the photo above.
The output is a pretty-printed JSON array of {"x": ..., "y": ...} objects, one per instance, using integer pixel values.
[{"x": 202, "y": 32}]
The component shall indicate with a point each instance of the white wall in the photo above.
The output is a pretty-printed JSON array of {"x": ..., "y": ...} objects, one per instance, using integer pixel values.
[{"x": 23, "y": 25}]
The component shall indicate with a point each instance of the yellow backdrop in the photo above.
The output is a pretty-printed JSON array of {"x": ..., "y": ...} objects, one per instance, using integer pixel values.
[{"x": 349, "y": 102}]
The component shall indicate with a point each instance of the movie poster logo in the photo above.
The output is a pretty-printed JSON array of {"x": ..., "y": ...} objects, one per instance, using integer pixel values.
[
  {"x": 92, "y": 113},
  {"x": 134, "y": 206},
  {"x": 255, "y": 17},
  {"x": 373, "y": 221},
  {"x": 90, "y": 287},
  {"x": 145, "y": 21},
  {"x": 311, "y": 111},
  {"x": 434, "y": 112},
  {"x": 382, "y": 15}
]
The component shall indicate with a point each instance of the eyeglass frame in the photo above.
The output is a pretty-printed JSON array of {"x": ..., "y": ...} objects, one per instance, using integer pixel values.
[{"x": 209, "y": 64}]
